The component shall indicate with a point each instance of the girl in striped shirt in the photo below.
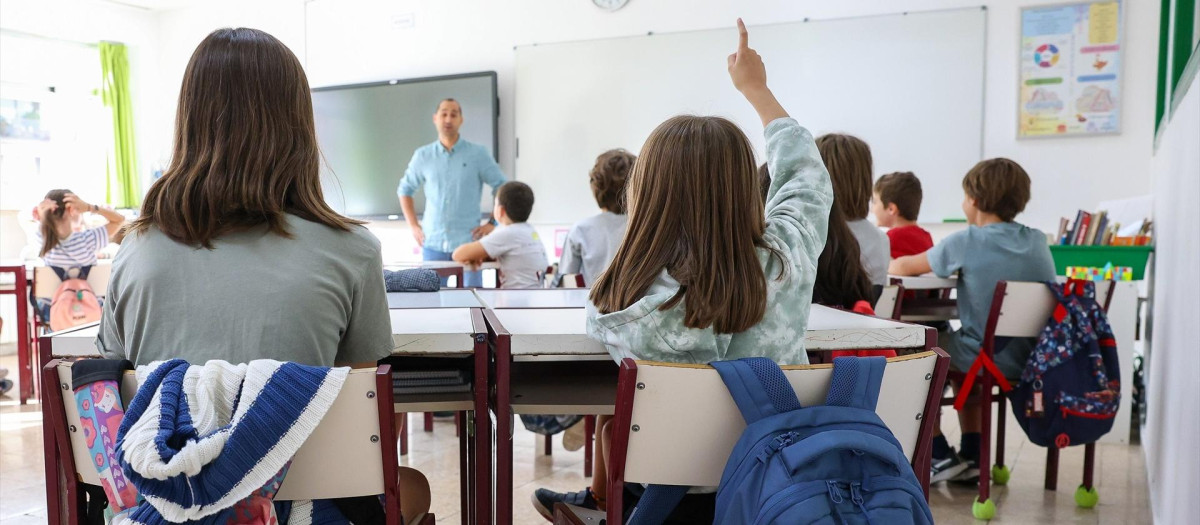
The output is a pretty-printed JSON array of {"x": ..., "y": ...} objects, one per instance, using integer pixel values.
[{"x": 64, "y": 241}]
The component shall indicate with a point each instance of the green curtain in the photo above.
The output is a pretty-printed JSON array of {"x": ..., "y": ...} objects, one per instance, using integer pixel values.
[{"x": 123, "y": 183}]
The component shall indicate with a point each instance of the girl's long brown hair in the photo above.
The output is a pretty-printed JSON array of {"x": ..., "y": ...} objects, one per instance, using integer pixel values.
[
  {"x": 695, "y": 211},
  {"x": 841, "y": 279},
  {"x": 245, "y": 148},
  {"x": 49, "y": 221}
]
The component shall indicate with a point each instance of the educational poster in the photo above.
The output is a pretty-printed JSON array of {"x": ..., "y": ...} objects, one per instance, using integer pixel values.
[{"x": 1070, "y": 70}]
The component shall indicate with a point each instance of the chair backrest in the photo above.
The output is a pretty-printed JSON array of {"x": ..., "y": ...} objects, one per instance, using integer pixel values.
[
  {"x": 888, "y": 304},
  {"x": 45, "y": 281},
  {"x": 343, "y": 457},
  {"x": 571, "y": 280},
  {"x": 1021, "y": 309},
  {"x": 669, "y": 397}
]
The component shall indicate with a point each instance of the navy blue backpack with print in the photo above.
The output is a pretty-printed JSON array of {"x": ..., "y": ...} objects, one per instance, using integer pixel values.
[
  {"x": 1071, "y": 385},
  {"x": 836, "y": 463}
]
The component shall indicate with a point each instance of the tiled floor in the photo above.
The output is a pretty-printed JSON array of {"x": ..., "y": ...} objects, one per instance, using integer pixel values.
[{"x": 1120, "y": 475}]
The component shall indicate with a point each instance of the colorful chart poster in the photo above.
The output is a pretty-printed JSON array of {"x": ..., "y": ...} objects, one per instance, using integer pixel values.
[{"x": 1070, "y": 70}]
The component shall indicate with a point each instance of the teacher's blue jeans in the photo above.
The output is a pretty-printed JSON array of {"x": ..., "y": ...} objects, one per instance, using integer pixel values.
[{"x": 470, "y": 279}]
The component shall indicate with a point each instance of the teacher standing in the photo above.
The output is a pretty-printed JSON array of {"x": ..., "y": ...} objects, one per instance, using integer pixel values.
[{"x": 453, "y": 172}]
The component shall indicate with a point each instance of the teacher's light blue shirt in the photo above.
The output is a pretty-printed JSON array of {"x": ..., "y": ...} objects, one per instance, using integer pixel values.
[{"x": 453, "y": 180}]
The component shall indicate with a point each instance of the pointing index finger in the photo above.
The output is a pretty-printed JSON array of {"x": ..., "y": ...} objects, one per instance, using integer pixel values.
[{"x": 743, "y": 38}]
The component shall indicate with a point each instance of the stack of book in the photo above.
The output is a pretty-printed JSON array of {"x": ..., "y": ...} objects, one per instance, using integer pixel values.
[
  {"x": 1095, "y": 229},
  {"x": 407, "y": 382}
]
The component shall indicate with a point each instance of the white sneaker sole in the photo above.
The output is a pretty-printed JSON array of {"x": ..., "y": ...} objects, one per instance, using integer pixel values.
[{"x": 949, "y": 473}]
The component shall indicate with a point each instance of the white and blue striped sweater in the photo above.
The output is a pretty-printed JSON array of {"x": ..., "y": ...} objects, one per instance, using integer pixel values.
[{"x": 198, "y": 439}]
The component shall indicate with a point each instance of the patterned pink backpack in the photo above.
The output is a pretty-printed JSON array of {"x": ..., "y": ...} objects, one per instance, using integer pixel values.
[{"x": 74, "y": 302}]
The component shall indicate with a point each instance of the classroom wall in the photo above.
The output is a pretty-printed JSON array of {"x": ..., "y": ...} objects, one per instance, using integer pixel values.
[
  {"x": 1172, "y": 434},
  {"x": 349, "y": 41}
]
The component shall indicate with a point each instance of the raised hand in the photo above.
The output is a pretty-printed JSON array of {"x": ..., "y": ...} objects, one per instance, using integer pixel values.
[
  {"x": 72, "y": 201},
  {"x": 749, "y": 76},
  {"x": 746, "y": 68}
]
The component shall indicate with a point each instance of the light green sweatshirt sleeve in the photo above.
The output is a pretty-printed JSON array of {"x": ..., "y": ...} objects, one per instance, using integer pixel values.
[{"x": 800, "y": 196}]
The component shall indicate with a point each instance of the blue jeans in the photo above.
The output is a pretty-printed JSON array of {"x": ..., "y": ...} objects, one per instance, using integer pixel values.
[{"x": 470, "y": 279}]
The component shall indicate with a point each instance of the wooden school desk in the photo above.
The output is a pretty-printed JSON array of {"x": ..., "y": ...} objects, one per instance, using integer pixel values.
[
  {"x": 19, "y": 289},
  {"x": 927, "y": 304},
  {"x": 546, "y": 364},
  {"x": 424, "y": 336},
  {"x": 446, "y": 330}
]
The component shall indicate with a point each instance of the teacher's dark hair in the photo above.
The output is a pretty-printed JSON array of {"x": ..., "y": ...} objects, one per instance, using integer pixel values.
[{"x": 245, "y": 150}]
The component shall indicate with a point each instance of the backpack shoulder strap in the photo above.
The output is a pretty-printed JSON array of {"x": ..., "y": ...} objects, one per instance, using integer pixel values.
[
  {"x": 60, "y": 272},
  {"x": 856, "y": 382},
  {"x": 656, "y": 504},
  {"x": 758, "y": 387}
]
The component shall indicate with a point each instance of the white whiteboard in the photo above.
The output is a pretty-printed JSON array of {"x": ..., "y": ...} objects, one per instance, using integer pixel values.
[{"x": 911, "y": 85}]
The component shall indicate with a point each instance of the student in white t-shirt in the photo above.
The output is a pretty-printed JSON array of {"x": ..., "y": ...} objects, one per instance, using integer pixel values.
[
  {"x": 515, "y": 244},
  {"x": 592, "y": 242}
]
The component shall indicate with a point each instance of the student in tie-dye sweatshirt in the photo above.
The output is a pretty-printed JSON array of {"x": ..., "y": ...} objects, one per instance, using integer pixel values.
[{"x": 700, "y": 276}]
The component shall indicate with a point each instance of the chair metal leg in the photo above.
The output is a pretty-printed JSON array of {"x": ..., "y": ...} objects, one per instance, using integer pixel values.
[
  {"x": 429, "y": 421},
  {"x": 403, "y": 433},
  {"x": 1051, "y": 468},
  {"x": 985, "y": 439},
  {"x": 1089, "y": 465},
  {"x": 1001, "y": 420},
  {"x": 547, "y": 447},
  {"x": 589, "y": 430}
]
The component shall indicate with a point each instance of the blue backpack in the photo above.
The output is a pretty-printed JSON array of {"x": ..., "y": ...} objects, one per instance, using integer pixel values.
[
  {"x": 835, "y": 464},
  {"x": 1071, "y": 385}
]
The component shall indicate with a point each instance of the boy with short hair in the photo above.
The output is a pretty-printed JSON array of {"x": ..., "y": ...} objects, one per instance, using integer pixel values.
[
  {"x": 515, "y": 244},
  {"x": 993, "y": 248},
  {"x": 896, "y": 203}
]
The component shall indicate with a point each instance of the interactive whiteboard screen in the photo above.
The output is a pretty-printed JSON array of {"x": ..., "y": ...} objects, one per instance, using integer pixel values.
[{"x": 368, "y": 133}]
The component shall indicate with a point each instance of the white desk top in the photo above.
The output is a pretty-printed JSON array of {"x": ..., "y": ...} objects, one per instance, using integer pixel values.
[
  {"x": 80, "y": 341},
  {"x": 927, "y": 281},
  {"x": 432, "y": 331},
  {"x": 447, "y": 298},
  {"x": 549, "y": 331},
  {"x": 538, "y": 298},
  {"x": 833, "y": 329},
  {"x": 563, "y": 332}
]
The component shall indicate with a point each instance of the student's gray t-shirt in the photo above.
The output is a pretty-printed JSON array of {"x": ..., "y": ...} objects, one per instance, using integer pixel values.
[
  {"x": 520, "y": 253},
  {"x": 592, "y": 244},
  {"x": 983, "y": 256},
  {"x": 875, "y": 250},
  {"x": 316, "y": 299}
]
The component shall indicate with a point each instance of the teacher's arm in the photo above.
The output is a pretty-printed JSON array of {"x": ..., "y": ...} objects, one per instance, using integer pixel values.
[
  {"x": 412, "y": 181},
  {"x": 494, "y": 177}
]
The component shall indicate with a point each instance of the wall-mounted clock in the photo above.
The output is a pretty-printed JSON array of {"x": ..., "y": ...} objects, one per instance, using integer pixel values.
[{"x": 610, "y": 5}]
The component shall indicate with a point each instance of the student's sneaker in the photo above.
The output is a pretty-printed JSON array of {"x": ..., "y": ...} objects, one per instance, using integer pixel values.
[
  {"x": 969, "y": 475},
  {"x": 5, "y": 386},
  {"x": 544, "y": 500},
  {"x": 574, "y": 438},
  {"x": 947, "y": 468}
]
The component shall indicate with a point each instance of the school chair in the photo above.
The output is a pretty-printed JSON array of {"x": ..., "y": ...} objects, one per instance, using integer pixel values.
[
  {"x": 1019, "y": 309},
  {"x": 891, "y": 298},
  {"x": 45, "y": 283},
  {"x": 26, "y": 337},
  {"x": 351, "y": 453},
  {"x": 655, "y": 400}
]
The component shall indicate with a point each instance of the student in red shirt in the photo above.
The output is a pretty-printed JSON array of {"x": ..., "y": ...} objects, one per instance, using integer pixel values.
[{"x": 896, "y": 204}]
